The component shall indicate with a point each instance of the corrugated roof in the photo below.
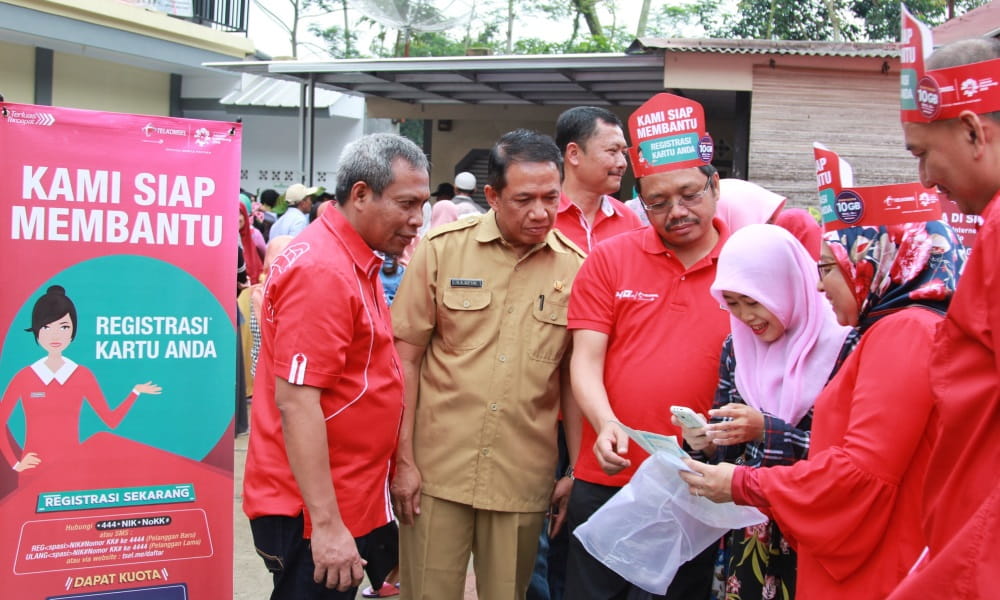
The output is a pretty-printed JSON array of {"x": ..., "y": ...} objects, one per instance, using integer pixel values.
[
  {"x": 256, "y": 90},
  {"x": 779, "y": 47}
]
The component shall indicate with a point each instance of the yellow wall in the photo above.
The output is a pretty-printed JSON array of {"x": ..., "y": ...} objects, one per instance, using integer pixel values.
[
  {"x": 449, "y": 147},
  {"x": 17, "y": 73},
  {"x": 83, "y": 82},
  {"x": 117, "y": 15}
]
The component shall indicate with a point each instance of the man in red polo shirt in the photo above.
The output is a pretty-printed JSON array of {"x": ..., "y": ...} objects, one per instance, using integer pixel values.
[
  {"x": 329, "y": 390},
  {"x": 957, "y": 143},
  {"x": 593, "y": 148},
  {"x": 647, "y": 333}
]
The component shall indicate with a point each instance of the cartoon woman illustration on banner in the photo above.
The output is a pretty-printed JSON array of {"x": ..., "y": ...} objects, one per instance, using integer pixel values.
[{"x": 52, "y": 389}]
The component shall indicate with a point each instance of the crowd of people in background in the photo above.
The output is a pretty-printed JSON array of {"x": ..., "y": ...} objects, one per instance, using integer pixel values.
[{"x": 435, "y": 382}]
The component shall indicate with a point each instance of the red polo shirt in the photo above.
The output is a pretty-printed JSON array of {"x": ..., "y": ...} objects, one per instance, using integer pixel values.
[
  {"x": 325, "y": 324},
  {"x": 665, "y": 334},
  {"x": 961, "y": 493},
  {"x": 612, "y": 218}
]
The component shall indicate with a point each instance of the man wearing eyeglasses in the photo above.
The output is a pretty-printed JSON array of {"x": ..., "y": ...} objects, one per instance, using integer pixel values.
[
  {"x": 480, "y": 326},
  {"x": 646, "y": 332}
]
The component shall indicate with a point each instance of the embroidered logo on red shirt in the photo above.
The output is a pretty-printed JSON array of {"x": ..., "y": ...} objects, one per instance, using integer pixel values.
[{"x": 635, "y": 295}]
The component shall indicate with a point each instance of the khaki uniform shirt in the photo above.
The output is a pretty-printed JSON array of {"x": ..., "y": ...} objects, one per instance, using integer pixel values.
[{"x": 494, "y": 328}]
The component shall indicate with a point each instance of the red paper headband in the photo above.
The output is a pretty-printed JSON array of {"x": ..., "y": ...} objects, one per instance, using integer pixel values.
[
  {"x": 940, "y": 94},
  {"x": 668, "y": 133},
  {"x": 843, "y": 205}
]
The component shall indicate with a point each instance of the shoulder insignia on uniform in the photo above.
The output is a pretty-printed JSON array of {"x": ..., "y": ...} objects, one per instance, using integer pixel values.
[
  {"x": 457, "y": 225},
  {"x": 569, "y": 243}
]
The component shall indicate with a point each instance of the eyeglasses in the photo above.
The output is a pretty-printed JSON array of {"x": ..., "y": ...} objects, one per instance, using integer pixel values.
[
  {"x": 686, "y": 200},
  {"x": 825, "y": 268}
]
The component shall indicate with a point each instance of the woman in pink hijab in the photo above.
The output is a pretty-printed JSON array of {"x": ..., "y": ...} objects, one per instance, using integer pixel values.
[
  {"x": 742, "y": 203},
  {"x": 784, "y": 347},
  {"x": 443, "y": 211}
]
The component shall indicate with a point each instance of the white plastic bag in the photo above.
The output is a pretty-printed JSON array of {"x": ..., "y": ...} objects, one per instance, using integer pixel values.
[{"x": 653, "y": 525}]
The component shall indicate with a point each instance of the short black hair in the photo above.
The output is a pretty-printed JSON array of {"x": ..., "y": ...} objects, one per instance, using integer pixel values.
[
  {"x": 706, "y": 170},
  {"x": 520, "y": 145},
  {"x": 268, "y": 197},
  {"x": 50, "y": 307},
  {"x": 580, "y": 123}
]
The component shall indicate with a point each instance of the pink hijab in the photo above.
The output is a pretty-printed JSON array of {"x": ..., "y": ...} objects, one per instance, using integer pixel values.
[
  {"x": 443, "y": 211},
  {"x": 783, "y": 377},
  {"x": 742, "y": 203}
]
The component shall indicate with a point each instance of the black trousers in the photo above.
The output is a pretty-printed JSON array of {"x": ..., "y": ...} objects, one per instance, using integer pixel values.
[
  {"x": 588, "y": 579},
  {"x": 288, "y": 556}
]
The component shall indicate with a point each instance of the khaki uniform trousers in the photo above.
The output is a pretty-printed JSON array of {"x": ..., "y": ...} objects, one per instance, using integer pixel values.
[{"x": 434, "y": 551}]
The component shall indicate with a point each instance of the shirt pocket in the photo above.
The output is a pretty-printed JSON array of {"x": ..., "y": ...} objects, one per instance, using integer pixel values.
[
  {"x": 464, "y": 323},
  {"x": 547, "y": 336}
]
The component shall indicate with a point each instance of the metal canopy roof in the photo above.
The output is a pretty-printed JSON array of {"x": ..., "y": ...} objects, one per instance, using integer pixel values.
[{"x": 575, "y": 79}]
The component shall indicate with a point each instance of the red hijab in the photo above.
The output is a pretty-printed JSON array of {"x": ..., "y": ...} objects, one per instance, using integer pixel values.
[
  {"x": 250, "y": 255},
  {"x": 804, "y": 227}
]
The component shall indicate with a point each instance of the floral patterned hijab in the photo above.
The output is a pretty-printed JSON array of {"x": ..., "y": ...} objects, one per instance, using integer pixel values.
[{"x": 892, "y": 267}]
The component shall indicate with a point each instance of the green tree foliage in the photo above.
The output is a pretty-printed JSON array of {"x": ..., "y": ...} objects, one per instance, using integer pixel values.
[
  {"x": 697, "y": 18},
  {"x": 340, "y": 43},
  {"x": 881, "y": 17},
  {"x": 849, "y": 20},
  {"x": 790, "y": 20},
  {"x": 495, "y": 24}
]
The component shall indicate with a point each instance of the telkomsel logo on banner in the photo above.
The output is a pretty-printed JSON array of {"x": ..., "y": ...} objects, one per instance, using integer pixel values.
[{"x": 22, "y": 117}]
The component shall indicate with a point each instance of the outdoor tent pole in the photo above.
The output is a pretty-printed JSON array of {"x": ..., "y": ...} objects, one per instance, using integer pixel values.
[
  {"x": 311, "y": 148},
  {"x": 302, "y": 132}
]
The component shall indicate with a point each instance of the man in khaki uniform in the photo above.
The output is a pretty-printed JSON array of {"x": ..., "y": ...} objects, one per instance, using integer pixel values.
[{"x": 480, "y": 326}]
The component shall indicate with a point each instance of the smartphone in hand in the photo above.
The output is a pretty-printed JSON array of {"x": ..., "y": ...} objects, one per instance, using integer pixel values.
[{"x": 688, "y": 417}]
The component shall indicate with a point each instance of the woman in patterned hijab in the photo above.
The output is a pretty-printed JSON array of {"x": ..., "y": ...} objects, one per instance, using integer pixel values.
[
  {"x": 891, "y": 267},
  {"x": 852, "y": 508}
]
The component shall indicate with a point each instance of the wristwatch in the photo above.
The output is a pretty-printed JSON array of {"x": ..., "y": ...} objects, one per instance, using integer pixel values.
[{"x": 569, "y": 473}]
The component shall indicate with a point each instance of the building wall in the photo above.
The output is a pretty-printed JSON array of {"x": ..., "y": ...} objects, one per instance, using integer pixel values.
[
  {"x": 449, "y": 147},
  {"x": 118, "y": 16},
  {"x": 84, "y": 82},
  {"x": 271, "y": 148},
  {"x": 17, "y": 73},
  {"x": 854, "y": 113}
]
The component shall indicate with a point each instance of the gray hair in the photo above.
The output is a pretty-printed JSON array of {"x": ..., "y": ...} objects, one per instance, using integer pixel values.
[{"x": 369, "y": 159}]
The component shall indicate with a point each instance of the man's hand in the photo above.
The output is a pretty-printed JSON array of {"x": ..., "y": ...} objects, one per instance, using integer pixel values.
[
  {"x": 611, "y": 447},
  {"x": 715, "y": 482},
  {"x": 405, "y": 491},
  {"x": 335, "y": 554},
  {"x": 559, "y": 505},
  {"x": 745, "y": 424}
]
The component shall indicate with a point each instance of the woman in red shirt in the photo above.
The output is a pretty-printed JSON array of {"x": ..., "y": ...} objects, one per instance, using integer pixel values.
[
  {"x": 52, "y": 389},
  {"x": 852, "y": 509}
]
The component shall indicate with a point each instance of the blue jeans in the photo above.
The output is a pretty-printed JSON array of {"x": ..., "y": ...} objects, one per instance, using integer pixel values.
[{"x": 548, "y": 582}]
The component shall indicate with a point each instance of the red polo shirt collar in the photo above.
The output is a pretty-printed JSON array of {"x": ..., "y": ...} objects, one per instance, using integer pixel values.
[{"x": 360, "y": 252}]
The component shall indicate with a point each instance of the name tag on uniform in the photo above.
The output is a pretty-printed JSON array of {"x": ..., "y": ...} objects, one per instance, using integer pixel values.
[
  {"x": 467, "y": 283},
  {"x": 37, "y": 394}
]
